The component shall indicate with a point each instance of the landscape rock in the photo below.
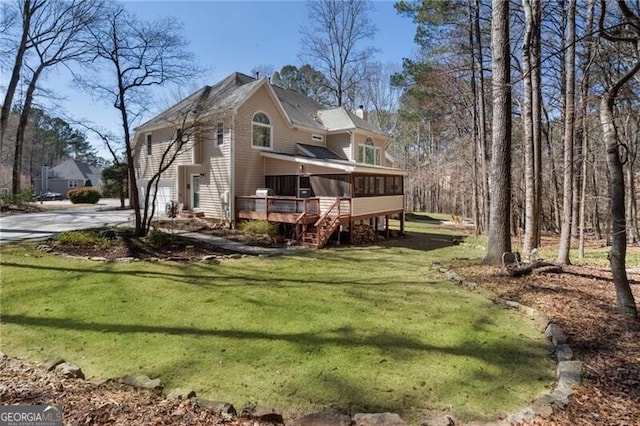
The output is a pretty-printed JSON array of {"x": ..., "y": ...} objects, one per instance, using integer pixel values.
[
  {"x": 443, "y": 420},
  {"x": 525, "y": 415},
  {"x": 378, "y": 419},
  {"x": 261, "y": 414},
  {"x": 69, "y": 370},
  {"x": 541, "y": 319},
  {"x": 50, "y": 363},
  {"x": 142, "y": 382},
  {"x": 182, "y": 394},
  {"x": 542, "y": 409},
  {"x": 569, "y": 374},
  {"x": 488, "y": 423},
  {"x": 451, "y": 276},
  {"x": 216, "y": 406},
  {"x": 558, "y": 398},
  {"x": 564, "y": 352},
  {"x": 322, "y": 419},
  {"x": 555, "y": 333}
]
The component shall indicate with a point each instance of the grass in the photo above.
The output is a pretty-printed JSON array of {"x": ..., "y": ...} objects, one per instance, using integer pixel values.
[{"x": 360, "y": 329}]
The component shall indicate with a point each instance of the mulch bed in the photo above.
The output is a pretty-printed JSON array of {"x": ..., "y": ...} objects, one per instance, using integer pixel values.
[{"x": 104, "y": 404}]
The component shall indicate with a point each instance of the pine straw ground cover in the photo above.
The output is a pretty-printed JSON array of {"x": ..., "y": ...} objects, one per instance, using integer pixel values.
[{"x": 582, "y": 301}]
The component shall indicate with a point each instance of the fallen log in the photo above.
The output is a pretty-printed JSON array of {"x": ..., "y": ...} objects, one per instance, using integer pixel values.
[{"x": 537, "y": 267}]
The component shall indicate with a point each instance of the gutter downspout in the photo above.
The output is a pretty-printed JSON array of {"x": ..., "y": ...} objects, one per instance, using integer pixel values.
[{"x": 232, "y": 170}]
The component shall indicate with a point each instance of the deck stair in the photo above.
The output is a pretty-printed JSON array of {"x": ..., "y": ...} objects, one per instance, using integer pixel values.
[{"x": 318, "y": 234}]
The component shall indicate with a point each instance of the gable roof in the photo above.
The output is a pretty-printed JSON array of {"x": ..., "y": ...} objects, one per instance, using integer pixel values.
[
  {"x": 231, "y": 92},
  {"x": 340, "y": 119},
  {"x": 75, "y": 170}
]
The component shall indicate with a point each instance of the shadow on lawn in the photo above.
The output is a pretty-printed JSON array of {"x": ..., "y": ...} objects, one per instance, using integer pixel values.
[
  {"x": 208, "y": 275},
  {"x": 392, "y": 344},
  {"x": 339, "y": 389}
]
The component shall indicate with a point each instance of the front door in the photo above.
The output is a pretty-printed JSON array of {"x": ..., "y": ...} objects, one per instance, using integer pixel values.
[{"x": 195, "y": 192}]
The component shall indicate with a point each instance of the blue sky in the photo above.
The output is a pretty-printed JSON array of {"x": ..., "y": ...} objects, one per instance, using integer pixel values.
[{"x": 228, "y": 36}]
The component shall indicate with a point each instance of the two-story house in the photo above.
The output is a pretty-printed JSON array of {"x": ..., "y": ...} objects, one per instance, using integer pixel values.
[{"x": 272, "y": 153}]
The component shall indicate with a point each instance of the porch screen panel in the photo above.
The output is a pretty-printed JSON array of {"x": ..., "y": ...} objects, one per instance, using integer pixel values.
[
  {"x": 282, "y": 185},
  {"x": 331, "y": 185}
]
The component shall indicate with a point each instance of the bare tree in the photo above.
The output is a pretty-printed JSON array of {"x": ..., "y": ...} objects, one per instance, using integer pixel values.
[
  {"x": 136, "y": 56},
  {"x": 55, "y": 35},
  {"x": 332, "y": 42},
  {"x": 569, "y": 129},
  {"x": 499, "y": 212},
  {"x": 381, "y": 97},
  {"x": 28, "y": 10},
  {"x": 532, "y": 119},
  {"x": 625, "y": 33},
  {"x": 583, "y": 130}
]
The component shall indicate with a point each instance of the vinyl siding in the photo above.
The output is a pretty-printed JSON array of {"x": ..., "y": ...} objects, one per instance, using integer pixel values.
[
  {"x": 216, "y": 167},
  {"x": 340, "y": 144},
  {"x": 363, "y": 206},
  {"x": 250, "y": 167},
  {"x": 275, "y": 167},
  {"x": 200, "y": 154}
]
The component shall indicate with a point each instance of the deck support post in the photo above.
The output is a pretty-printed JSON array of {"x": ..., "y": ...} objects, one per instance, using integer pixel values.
[
  {"x": 386, "y": 226},
  {"x": 402, "y": 223}
]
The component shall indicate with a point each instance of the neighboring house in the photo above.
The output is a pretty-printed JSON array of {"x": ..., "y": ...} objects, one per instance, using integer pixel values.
[
  {"x": 272, "y": 153},
  {"x": 68, "y": 175}
]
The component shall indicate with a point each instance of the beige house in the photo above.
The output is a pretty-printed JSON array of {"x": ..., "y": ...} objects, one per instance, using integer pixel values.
[{"x": 271, "y": 153}]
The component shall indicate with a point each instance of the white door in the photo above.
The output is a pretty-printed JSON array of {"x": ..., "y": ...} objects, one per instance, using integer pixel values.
[{"x": 195, "y": 192}]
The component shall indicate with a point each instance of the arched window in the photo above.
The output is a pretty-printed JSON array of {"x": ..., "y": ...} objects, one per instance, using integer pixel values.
[
  {"x": 369, "y": 153},
  {"x": 262, "y": 134}
]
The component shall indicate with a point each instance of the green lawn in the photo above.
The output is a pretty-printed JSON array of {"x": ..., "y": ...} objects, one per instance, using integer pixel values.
[{"x": 360, "y": 329}]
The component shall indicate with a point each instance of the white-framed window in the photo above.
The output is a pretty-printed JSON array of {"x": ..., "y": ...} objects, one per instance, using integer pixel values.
[
  {"x": 73, "y": 184},
  {"x": 262, "y": 131},
  {"x": 149, "y": 148},
  {"x": 369, "y": 153},
  {"x": 220, "y": 133}
]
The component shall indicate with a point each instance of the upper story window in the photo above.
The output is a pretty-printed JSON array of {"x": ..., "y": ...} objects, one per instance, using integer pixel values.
[
  {"x": 369, "y": 153},
  {"x": 262, "y": 134},
  {"x": 149, "y": 150},
  {"x": 220, "y": 133}
]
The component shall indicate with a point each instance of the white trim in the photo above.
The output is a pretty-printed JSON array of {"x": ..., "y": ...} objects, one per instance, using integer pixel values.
[{"x": 267, "y": 126}]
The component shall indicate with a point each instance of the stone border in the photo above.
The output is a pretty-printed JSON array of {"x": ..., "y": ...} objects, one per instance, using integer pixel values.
[{"x": 568, "y": 371}]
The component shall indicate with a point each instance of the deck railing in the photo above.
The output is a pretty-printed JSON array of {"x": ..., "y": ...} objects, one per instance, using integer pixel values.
[{"x": 267, "y": 205}]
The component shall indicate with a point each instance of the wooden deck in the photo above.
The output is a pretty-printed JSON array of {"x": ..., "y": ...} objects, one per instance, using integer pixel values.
[{"x": 278, "y": 209}]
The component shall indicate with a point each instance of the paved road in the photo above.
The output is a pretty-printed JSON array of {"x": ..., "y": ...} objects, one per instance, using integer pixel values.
[{"x": 33, "y": 226}]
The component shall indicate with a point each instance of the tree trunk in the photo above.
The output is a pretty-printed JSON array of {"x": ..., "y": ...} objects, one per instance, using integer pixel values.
[
  {"x": 617, "y": 255},
  {"x": 584, "y": 126},
  {"x": 482, "y": 121},
  {"x": 569, "y": 124},
  {"x": 22, "y": 127},
  {"x": 500, "y": 211},
  {"x": 531, "y": 120},
  {"x": 27, "y": 12}
]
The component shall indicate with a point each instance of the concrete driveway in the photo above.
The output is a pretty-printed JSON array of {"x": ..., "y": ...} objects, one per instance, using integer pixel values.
[{"x": 33, "y": 226}]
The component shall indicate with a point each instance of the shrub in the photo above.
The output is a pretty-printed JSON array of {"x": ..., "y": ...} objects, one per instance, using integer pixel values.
[
  {"x": 82, "y": 238},
  {"x": 25, "y": 197},
  {"x": 158, "y": 238},
  {"x": 84, "y": 195},
  {"x": 259, "y": 227}
]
